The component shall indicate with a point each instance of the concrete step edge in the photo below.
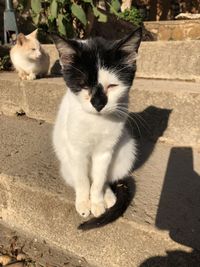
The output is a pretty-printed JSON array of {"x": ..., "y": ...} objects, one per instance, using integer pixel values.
[
  {"x": 8, "y": 181},
  {"x": 180, "y": 101},
  {"x": 27, "y": 216},
  {"x": 160, "y": 59}
]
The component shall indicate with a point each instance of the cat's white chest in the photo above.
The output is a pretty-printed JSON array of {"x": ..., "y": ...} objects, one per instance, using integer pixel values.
[
  {"x": 92, "y": 130},
  {"x": 78, "y": 130}
]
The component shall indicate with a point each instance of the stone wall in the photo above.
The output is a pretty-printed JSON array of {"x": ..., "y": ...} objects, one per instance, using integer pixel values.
[{"x": 175, "y": 30}]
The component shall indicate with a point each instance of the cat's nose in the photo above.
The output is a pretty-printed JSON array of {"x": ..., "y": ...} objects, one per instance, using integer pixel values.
[
  {"x": 98, "y": 107},
  {"x": 99, "y": 98},
  {"x": 38, "y": 54}
]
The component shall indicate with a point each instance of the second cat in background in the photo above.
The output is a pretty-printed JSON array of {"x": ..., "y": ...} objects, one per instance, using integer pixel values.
[{"x": 29, "y": 58}]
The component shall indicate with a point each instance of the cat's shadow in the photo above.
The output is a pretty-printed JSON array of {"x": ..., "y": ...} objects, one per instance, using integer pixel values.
[
  {"x": 56, "y": 69},
  {"x": 147, "y": 127}
]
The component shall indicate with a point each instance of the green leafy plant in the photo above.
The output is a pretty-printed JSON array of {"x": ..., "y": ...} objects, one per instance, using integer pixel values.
[
  {"x": 67, "y": 17},
  {"x": 132, "y": 15},
  {"x": 72, "y": 17},
  {"x": 5, "y": 63}
]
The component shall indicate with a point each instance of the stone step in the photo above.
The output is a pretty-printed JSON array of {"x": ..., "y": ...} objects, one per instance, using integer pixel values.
[
  {"x": 161, "y": 60},
  {"x": 163, "y": 217},
  {"x": 168, "y": 110},
  {"x": 177, "y": 60},
  {"x": 174, "y": 30}
]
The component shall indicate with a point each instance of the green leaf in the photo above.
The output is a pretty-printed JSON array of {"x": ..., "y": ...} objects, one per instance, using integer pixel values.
[
  {"x": 95, "y": 11},
  {"x": 36, "y": 19},
  {"x": 79, "y": 13},
  {"x": 54, "y": 8},
  {"x": 51, "y": 18},
  {"x": 115, "y": 5},
  {"x": 61, "y": 26},
  {"x": 102, "y": 17},
  {"x": 113, "y": 11},
  {"x": 36, "y": 6},
  {"x": 87, "y": 1}
]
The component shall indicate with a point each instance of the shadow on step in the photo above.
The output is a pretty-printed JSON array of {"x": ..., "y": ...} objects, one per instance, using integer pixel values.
[
  {"x": 56, "y": 69},
  {"x": 175, "y": 258},
  {"x": 147, "y": 126},
  {"x": 179, "y": 206}
]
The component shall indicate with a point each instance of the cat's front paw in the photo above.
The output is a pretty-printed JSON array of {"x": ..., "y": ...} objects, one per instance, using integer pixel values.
[
  {"x": 31, "y": 76},
  {"x": 83, "y": 208},
  {"x": 98, "y": 208}
]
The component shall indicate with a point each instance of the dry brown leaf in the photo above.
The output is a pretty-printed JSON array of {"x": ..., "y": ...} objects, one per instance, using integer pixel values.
[
  {"x": 5, "y": 259},
  {"x": 21, "y": 256}
]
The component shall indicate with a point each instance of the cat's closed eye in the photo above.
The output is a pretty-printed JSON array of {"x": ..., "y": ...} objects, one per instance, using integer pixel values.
[
  {"x": 33, "y": 49},
  {"x": 111, "y": 86}
]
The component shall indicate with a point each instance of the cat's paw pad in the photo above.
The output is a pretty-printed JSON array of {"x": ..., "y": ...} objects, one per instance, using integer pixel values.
[
  {"x": 109, "y": 198},
  {"x": 98, "y": 208},
  {"x": 83, "y": 208}
]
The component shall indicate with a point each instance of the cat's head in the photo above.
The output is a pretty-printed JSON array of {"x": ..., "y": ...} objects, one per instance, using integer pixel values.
[
  {"x": 29, "y": 45},
  {"x": 99, "y": 72}
]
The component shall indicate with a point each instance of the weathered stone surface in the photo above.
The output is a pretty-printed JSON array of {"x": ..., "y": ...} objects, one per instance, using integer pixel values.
[
  {"x": 165, "y": 60},
  {"x": 40, "y": 100},
  {"x": 43, "y": 97},
  {"x": 163, "y": 33},
  {"x": 177, "y": 34},
  {"x": 36, "y": 251},
  {"x": 174, "y": 30},
  {"x": 11, "y": 95},
  {"x": 169, "y": 60},
  {"x": 181, "y": 99},
  {"x": 40, "y": 203}
]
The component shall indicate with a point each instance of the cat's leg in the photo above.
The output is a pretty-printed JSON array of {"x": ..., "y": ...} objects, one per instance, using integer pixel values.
[
  {"x": 22, "y": 75},
  {"x": 75, "y": 173},
  {"x": 100, "y": 164},
  {"x": 123, "y": 159}
]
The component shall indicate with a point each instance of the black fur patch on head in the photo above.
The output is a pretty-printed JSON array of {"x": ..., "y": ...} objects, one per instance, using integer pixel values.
[{"x": 81, "y": 60}]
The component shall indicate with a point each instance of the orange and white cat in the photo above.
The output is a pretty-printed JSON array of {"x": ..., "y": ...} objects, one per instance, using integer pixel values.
[{"x": 28, "y": 57}]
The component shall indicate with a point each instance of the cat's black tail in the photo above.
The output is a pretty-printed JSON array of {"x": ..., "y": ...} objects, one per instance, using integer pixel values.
[{"x": 124, "y": 191}]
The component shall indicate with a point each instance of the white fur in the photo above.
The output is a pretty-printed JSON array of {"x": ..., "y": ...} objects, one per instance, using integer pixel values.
[{"x": 93, "y": 148}]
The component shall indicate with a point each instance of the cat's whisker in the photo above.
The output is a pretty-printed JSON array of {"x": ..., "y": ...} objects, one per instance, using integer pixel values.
[
  {"x": 118, "y": 71},
  {"x": 142, "y": 121},
  {"x": 76, "y": 69},
  {"x": 131, "y": 119},
  {"x": 125, "y": 116},
  {"x": 138, "y": 117}
]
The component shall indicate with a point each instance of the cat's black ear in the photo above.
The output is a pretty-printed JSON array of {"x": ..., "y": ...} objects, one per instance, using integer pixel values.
[
  {"x": 66, "y": 48},
  {"x": 130, "y": 44}
]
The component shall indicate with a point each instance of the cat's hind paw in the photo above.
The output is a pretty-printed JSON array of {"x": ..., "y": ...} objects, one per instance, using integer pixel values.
[
  {"x": 109, "y": 198},
  {"x": 98, "y": 208},
  {"x": 83, "y": 208}
]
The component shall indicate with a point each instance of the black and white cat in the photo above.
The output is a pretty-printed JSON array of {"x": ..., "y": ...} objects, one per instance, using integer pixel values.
[{"x": 90, "y": 137}]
